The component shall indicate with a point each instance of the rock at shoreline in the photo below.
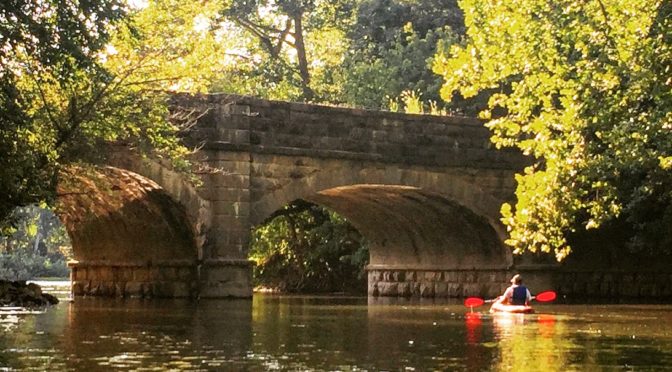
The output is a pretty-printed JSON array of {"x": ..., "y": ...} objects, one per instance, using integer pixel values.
[{"x": 25, "y": 295}]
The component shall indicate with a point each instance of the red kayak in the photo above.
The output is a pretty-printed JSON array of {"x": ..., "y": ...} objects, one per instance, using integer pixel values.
[{"x": 502, "y": 308}]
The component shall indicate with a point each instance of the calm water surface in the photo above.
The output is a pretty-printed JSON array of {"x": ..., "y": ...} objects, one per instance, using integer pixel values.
[{"x": 332, "y": 333}]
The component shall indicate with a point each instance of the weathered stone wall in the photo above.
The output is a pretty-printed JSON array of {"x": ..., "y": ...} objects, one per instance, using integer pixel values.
[
  {"x": 284, "y": 128},
  {"x": 170, "y": 279},
  {"x": 622, "y": 285},
  {"x": 437, "y": 283}
]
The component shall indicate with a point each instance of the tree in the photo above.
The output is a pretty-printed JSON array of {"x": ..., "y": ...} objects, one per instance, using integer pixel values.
[
  {"x": 380, "y": 73},
  {"x": 306, "y": 248},
  {"x": 393, "y": 45},
  {"x": 585, "y": 91},
  {"x": 43, "y": 43},
  {"x": 299, "y": 43},
  {"x": 38, "y": 247},
  {"x": 75, "y": 74}
]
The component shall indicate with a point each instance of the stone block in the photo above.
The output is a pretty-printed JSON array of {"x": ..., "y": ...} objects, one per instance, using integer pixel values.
[
  {"x": 105, "y": 273},
  {"x": 170, "y": 273},
  {"x": 182, "y": 290},
  {"x": 228, "y": 166},
  {"x": 148, "y": 290},
  {"x": 230, "y": 194},
  {"x": 120, "y": 289},
  {"x": 92, "y": 273},
  {"x": 94, "y": 289},
  {"x": 229, "y": 180},
  {"x": 427, "y": 289},
  {"x": 108, "y": 289},
  {"x": 404, "y": 289},
  {"x": 134, "y": 289},
  {"x": 469, "y": 277},
  {"x": 78, "y": 273},
  {"x": 415, "y": 289},
  {"x": 592, "y": 288},
  {"x": 441, "y": 289},
  {"x": 429, "y": 276},
  {"x": 373, "y": 289},
  {"x": 387, "y": 276},
  {"x": 185, "y": 273},
  {"x": 388, "y": 289},
  {"x": 379, "y": 135},
  {"x": 490, "y": 277},
  {"x": 399, "y": 276},
  {"x": 231, "y": 208},
  {"x": 124, "y": 274},
  {"x": 141, "y": 274},
  {"x": 161, "y": 289},
  {"x": 78, "y": 287},
  {"x": 455, "y": 289},
  {"x": 411, "y": 276},
  {"x": 471, "y": 289},
  {"x": 224, "y": 224},
  {"x": 492, "y": 290},
  {"x": 451, "y": 276}
]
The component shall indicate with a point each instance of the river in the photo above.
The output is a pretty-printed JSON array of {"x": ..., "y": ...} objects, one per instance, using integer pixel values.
[{"x": 271, "y": 332}]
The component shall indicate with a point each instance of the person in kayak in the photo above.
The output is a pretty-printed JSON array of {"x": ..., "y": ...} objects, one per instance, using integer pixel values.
[{"x": 517, "y": 293}]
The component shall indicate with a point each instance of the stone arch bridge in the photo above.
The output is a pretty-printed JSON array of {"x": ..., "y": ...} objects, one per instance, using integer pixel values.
[{"x": 424, "y": 190}]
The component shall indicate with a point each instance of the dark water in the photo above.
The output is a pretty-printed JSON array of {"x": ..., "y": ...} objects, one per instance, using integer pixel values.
[{"x": 332, "y": 333}]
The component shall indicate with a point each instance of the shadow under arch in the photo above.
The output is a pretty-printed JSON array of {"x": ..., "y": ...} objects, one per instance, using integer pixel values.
[
  {"x": 409, "y": 227},
  {"x": 452, "y": 186},
  {"x": 129, "y": 237}
]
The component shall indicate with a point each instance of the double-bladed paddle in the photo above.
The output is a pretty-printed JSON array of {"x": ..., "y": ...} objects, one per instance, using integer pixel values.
[{"x": 545, "y": 296}]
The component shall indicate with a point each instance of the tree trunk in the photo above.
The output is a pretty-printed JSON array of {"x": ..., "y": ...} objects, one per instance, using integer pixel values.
[{"x": 301, "y": 54}]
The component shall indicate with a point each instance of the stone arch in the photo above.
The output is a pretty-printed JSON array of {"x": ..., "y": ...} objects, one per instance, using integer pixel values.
[
  {"x": 117, "y": 216},
  {"x": 432, "y": 233},
  {"x": 415, "y": 217},
  {"x": 449, "y": 185},
  {"x": 129, "y": 236},
  {"x": 196, "y": 205}
]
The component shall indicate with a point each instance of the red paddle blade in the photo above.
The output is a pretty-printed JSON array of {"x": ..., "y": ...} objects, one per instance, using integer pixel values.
[
  {"x": 473, "y": 302},
  {"x": 545, "y": 296}
]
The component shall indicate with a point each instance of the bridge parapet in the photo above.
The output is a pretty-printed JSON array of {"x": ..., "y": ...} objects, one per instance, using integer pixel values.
[{"x": 238, "y": 123}]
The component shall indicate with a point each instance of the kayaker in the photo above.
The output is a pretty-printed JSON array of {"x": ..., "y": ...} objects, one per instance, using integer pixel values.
[{"x": 516, "y": 294}]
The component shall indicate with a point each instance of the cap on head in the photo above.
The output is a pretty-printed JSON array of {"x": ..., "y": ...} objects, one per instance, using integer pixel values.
[{"x": 517, "y": 279}]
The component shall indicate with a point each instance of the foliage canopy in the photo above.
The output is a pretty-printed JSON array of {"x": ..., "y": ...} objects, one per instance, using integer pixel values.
[
  {"x": 75, "y": 74},
  {"x": 585, "y": 89}
]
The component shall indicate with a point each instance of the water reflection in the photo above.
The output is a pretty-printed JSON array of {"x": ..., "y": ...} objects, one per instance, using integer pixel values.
[
  {"x": 166, "y": 334},
  {"x": 331, "y": 333},
  {"x": 531, "y": 342}
]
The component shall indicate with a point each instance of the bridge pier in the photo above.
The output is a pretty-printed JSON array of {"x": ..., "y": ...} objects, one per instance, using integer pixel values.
[
  {"x": 210, "y": 279},
  {"x": 167, "y": 279},
  {"x": 436, "y": 283},
  {"x": 225, "y": 278},
  {"x": 399, "y": 281}
]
